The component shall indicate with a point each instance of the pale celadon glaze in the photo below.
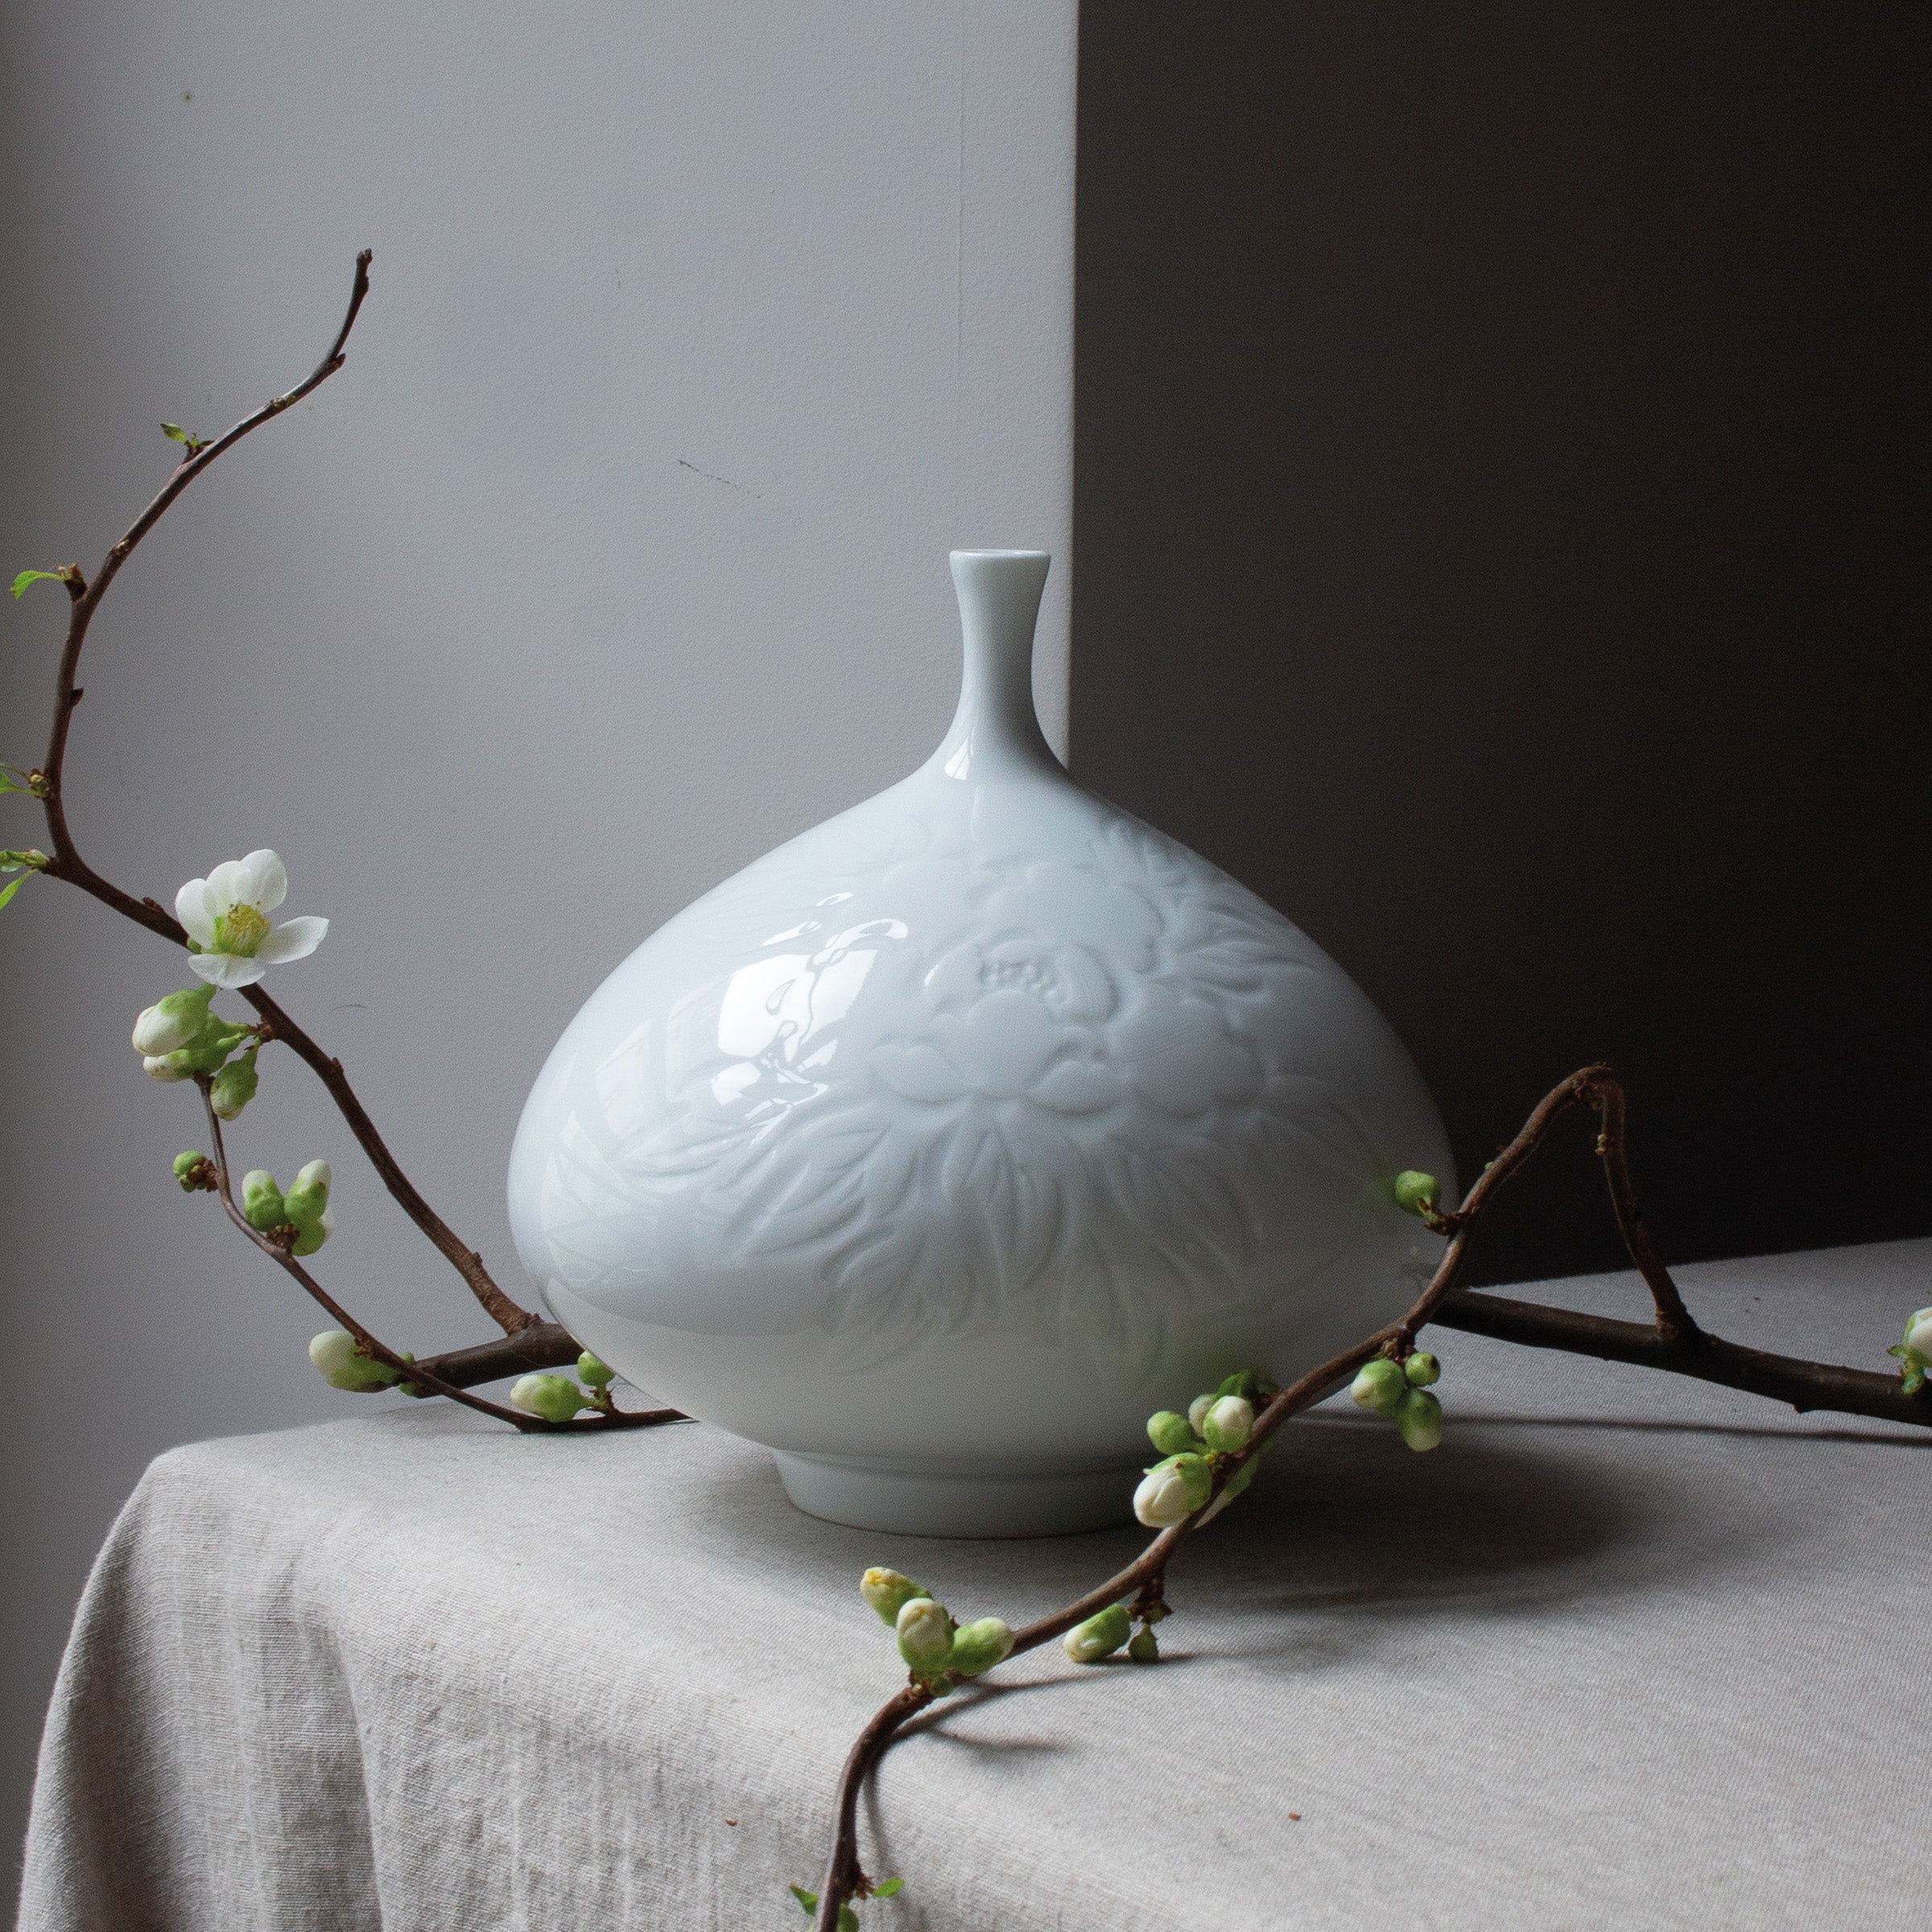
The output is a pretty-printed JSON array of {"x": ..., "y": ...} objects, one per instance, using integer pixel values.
[{"x": 942, "y": 1145}]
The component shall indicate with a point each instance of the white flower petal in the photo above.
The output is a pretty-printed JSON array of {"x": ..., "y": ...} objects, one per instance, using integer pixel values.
[
  {"x": 292, "y": 939},
  {"x": 226, "y": 886},
  {"x": 225, "y": 968},
  {"x": 191, "y": 909},
  {"x": 267, "y": 880}
]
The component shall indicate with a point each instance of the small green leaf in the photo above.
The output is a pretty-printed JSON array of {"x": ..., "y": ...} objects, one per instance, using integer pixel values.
[
  {"x": 8, "y": 892},
  {"x": 33, "y": 576},
  {"x": 13, "y": 778},
  {"x": 175, "y": 433},
  {"x": 808, "y": 1900},
  {"x": 887, "y": 1887},
  {"x": 848, "y": 1919}
]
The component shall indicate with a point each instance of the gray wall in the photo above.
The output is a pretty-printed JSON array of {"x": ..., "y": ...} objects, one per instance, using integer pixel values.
[
  {"x": 700, "y": 332},
  {"x": 1501, "y": 451}
]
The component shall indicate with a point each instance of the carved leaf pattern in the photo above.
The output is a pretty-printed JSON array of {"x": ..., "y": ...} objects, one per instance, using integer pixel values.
[{"x": 1014, "y": 1115}]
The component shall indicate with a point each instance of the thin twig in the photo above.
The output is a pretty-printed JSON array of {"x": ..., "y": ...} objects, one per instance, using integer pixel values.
[
  {"x": 86, "y": 596},
  {"x": 844, "y": 1878},
  {"x": 1605, "y": 1093},
  {"x": 66, "y": 863}
]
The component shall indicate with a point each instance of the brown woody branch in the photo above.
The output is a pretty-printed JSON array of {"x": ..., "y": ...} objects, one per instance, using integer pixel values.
[
  {"x": 277, "y": 1246},
  {"x": 1672, "y": 1342},
  {"x": 523, "y": 1352},
  {"x": 65, "y": 861},
  {"x": 1806, "y": 1385}
]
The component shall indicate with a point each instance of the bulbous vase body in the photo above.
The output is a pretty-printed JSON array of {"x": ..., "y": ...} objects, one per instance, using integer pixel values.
[{"x": 942, "y": 1145}]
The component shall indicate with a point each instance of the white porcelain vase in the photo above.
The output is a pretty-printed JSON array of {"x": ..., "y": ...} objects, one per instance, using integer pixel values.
[{"x": 942, "y": 1145}]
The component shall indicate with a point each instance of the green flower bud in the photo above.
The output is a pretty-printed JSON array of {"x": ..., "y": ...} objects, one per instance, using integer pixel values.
[
  {"x": 262, "y": 1205},
  {"x": 233, "y": 1086},
  {"x": 1170, "y": 1433},
  {"x": 925, "y": 1633},
  {"x": 207, "y": 1053},
  {"x": 1422, "y": 1368},
  {"x": 1145, "y": 1648},
  {"x": 556, "y": 1399},
  {"x": 194, "y": 1170},
  {"x": 168, "y": 1066},
  {"x": 335, "y": 1353},
  {"x": 592, "y": 1373},
  {"x": 312, "y": 1237},
  {"x": 887, "y": 1592},
  {"x": 1416, "y": 1193},
  {"x": 306, "y": 1206},
  {"x": 306, "y": 1202},
  {"x": 979, "y": 1645},
  {"x": 186, "y": 1163},
  {"x": 1229, "y": 1424},
  {"x": 172, "y": 1023},
  {"x": 1099, "y": 1635},
  {"x": 1197, "y": 1411},
  {"x": 1380, "y": 1386},
  {"x": 1420, "y": 1419},
  {"x": 1172, "y": 1490}
]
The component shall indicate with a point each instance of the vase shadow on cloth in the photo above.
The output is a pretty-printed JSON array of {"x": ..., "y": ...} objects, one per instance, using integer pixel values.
[{"x": 1342, "y": 1515}]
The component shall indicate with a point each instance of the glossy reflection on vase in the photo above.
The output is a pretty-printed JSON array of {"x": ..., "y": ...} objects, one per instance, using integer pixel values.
[{"x": 941, "y": 1145}]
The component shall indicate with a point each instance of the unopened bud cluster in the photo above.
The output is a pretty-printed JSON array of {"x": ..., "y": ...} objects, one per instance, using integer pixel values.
[
  {"x": 556, "y": 1399},
  {"x": 301, "y": 1216},
  {"x": 940, "y": 1653},
  {"x": 181, "y": 1037},
  {"x": 1400, "y": 1390},
  {"x": 1218, "y": 1424}
]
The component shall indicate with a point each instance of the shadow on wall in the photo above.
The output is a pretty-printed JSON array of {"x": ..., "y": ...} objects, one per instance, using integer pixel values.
[{"x": 1500, "y": 436}]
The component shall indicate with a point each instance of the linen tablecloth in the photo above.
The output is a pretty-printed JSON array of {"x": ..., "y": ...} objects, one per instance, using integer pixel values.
[{"x": 1626, "y": 1651}]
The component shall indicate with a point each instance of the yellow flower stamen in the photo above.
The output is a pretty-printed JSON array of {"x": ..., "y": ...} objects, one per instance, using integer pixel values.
[{"x": 241, "y": 930}]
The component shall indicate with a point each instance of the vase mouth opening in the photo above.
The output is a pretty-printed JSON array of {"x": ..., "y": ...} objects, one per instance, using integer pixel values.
[{"x": 974, "y": 556}]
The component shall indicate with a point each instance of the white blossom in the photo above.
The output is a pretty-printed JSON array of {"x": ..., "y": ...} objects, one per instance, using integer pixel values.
[{"x": 226, "y": 915}]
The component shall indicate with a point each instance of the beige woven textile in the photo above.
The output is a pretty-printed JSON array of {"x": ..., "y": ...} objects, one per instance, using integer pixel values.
[{"x": 410, "y": 1670}]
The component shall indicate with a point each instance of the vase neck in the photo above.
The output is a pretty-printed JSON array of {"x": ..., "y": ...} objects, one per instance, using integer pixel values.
[{"x": 995, "y": 724}]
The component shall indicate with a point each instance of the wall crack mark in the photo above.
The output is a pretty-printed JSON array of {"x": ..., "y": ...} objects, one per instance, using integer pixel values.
[{"x": 711, "y": 476}]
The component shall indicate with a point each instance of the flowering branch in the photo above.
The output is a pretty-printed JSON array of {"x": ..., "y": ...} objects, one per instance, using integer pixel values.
[
  {"x": 64, "y": 861},
  {"x": 1673, "y": 1341}
]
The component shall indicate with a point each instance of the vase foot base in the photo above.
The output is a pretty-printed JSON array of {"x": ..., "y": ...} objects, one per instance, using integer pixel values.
[{"x": 940, "y": 1502}]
